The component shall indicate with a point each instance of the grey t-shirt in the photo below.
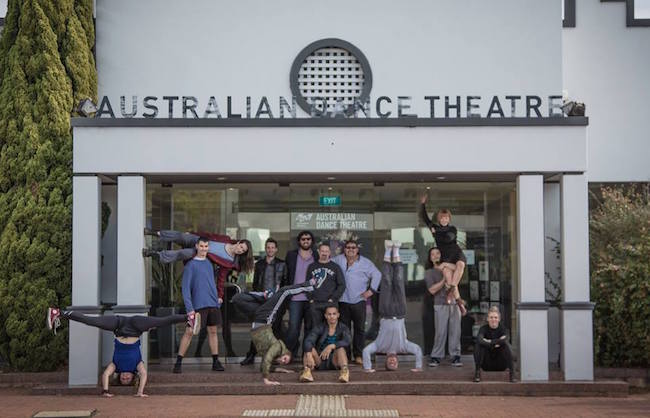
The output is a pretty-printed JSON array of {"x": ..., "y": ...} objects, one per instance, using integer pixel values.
[{"x": 431, "y": 277}]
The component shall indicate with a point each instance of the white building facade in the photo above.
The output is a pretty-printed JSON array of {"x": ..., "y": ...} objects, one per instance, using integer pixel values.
[{"x": 211, "y": 117}]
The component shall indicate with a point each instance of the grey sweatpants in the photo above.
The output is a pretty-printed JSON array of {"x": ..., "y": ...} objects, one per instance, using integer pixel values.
[
  {"x": 447, "y": 319},
  {"x": 183, "y": 239}
]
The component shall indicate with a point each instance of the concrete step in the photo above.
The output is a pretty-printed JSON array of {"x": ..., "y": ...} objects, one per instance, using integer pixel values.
[
  {"x": 386, "y": 387},
  {"x": 251, "y": 374}
]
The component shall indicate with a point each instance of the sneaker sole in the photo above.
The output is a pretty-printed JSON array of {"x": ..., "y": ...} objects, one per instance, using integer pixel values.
[
  {"x": 197, "y": 323},
  {"x": 456, "y": 364},
  {"x": 48, "y": 319}
]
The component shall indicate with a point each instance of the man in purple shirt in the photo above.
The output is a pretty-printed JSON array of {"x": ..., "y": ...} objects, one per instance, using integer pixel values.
[
  {"x": 297, "y": 262},
  {"x": 362, "y": 280}
]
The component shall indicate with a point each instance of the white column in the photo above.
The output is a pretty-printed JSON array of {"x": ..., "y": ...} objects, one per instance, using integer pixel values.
[
  {"x": 131, "y": 279},
  {"x": 532, "y": 308},
  {"x": 86, "y": 259},
  {"x": 577, "y": 337}
]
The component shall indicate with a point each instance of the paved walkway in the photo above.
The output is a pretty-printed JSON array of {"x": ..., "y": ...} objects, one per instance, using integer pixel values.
[{"x": 17, "y": 403}]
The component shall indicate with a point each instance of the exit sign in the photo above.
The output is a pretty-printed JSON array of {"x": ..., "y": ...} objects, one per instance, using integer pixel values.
[{"x": 330, "y": 200}]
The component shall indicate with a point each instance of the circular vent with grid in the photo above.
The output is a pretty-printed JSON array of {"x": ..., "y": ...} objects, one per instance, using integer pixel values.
[{"x": 328, "y": 76}]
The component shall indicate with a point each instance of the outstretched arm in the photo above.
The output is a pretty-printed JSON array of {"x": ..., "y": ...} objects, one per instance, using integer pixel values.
[
  {"x": 110, "y": 369},
  {"x": 423, "y": 213},
  {"x": 142, "y": 372}
]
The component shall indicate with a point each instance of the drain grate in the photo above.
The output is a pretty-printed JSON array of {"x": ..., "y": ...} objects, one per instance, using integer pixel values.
[{"x": 321, "y": 406}]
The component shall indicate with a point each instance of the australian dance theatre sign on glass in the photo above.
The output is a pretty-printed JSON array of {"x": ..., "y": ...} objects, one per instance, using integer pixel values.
[
  {"x": 332, "y": 221},
  {"x": 191, "y": 107}
]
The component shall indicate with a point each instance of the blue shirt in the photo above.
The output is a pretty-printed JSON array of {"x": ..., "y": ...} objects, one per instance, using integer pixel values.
[
  {"x": 126, "y": 357},
  {"x": 301, "y": 275},
  {"x": 331, "y": 339},
  {"x": 219, "y": 249},
  {"x": 357, "y": 278},
  {"x": 199, "y": 289}
]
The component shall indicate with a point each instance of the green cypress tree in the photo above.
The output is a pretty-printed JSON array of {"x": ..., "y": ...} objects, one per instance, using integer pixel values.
[{"x": 46, "y": 67}]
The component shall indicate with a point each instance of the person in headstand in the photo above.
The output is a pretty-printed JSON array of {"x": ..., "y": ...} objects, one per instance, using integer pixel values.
[
  {"x": 453, "y": 259},
  {"x": 268, "y": 345},
  {"x": 392, "y": 338},
  {"x": 492, "y": 352},
  {"x": 325, "y": 347},
  {"x": 226, "y": 254},
  {"x": 127, "y": 358}
]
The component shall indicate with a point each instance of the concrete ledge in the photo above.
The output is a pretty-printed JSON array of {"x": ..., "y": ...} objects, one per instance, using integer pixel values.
[{"x": 563, "y": 389}]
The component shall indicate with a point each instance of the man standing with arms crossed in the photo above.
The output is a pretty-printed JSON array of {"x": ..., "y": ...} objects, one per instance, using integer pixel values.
[
  {"x": 362, "y": 280},
  {"x": 200, "y": 295}
]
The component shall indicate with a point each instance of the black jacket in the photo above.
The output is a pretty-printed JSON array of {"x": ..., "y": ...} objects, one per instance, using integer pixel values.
[
  {"x": 279, "y": 272},
  {"x": 319, "y": 333},
  {"x": 292, "y": 260}
]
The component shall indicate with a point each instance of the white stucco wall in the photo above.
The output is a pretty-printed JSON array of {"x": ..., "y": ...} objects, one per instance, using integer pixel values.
[
  {"x": 607, "y": 66},
  {"x": 246, "y": 48}
]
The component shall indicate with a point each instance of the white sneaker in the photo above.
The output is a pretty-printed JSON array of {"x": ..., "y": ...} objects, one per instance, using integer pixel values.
[
  {"x": 395, "y": 251},
  {"x": 389, "y": 245}
]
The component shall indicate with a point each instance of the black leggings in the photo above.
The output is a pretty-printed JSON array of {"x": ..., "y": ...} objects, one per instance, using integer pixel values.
[{"x": 126, "y": 326}]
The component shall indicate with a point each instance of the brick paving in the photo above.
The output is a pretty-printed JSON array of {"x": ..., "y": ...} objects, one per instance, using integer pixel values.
[{"x": 17, "y": 403}]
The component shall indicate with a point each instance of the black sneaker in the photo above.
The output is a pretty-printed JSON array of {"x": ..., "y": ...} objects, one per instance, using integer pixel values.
[
  {"x": 217, "y": 366},
  {"x": 435, "y": 362},
  {"x": 177, "y": 368},
  {"x": 250, "y": 359},
  {"x": 148, "y": 252},
  {"x": 477, "y": 375},
  {"x": 456, "y": 362},
  {"x": 52, "y": 320},
  {"x": 513, "y": 379}
]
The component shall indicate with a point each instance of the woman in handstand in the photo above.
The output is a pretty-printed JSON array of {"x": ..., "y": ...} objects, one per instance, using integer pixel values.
[
  {"x": 452, "y": 260},
  {"x": 127, "y": 358}
]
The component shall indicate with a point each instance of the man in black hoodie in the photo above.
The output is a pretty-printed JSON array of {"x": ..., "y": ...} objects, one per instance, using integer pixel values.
[{"x": 330, "y": 284}]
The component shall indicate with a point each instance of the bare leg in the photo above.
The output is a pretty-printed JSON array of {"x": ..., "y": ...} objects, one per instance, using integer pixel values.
[
  {"x": 458, "y": 272},
  {"x": 340, "y": 359},
  {"x": 185, "y": 342},
  {"x": 213, "y": 340}
]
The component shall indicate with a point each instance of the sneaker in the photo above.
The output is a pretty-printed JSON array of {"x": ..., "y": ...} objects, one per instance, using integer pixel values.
[
  {"x": 52, "y": 320},
  {"x": 250, "y": 359},
  {"x": 344, "y": 376},
  {"x": 359, "y": 361},
  {"x": 461, "y": 306},
  {"x": 389, "y": 245},
  {"x": 217, "y": 366},
  {"x": 306, "y": 376},
  {"x": 513, "y": 379},
  {"x": 477, "y": 375},
  {"x": 177, "y": 368},
  {"x": 148, "y": 252},
  {"x": 395, "y": 251},
  {"x": 435, "y": 362},
  {"x": 456, "y": 361},
  {"x": 194, "y": 322},
  {"x": 149, "y": 231}
]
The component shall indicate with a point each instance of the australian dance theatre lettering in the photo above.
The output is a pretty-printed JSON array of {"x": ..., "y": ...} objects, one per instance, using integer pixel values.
[{"x": 190, "y": 107}]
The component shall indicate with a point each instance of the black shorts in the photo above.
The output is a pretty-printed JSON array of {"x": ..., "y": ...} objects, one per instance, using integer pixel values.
[
  {"x": 452, "y": 255},
  {"x": 210, "y": 317},
  {"x": 328, "y": 364}
]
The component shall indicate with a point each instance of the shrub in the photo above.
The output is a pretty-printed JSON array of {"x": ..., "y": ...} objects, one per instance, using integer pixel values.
[
  {"x": 46, "y": 67},
  {"x": 619, "y": 238}
]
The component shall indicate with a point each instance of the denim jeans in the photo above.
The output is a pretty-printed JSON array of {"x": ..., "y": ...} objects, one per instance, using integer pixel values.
[{"x": 298, "y": 312}]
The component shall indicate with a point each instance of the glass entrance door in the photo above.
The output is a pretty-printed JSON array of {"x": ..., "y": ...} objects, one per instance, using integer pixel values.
[{"x": 484, "y": 214}]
